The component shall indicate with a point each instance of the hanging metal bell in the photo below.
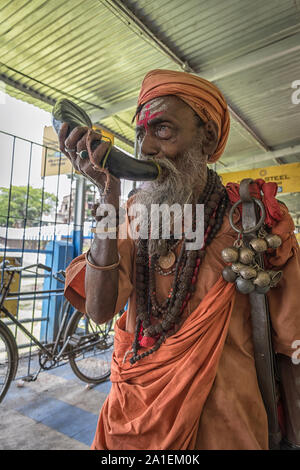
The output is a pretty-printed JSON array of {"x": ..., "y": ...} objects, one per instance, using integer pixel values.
[
  {"x": 262, "y": 290},
  {"x": 230, "y": 255},
  {"x": 246, "y": 256},
  {"x": 244, "y": 285},
  {"x": 228, "y": 274},
  {"x": 273, "y": 241},
  {"x": 259, "y": 245},
  {"x": 275, "y": 277},
  {"x": 248, "y": 272},
  {"x": 263, "y": 279},
  {"x": 236, "y": 267}
]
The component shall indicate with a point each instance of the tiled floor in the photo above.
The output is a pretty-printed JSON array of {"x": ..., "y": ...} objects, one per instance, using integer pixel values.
[{"x": 56, "y": 412}]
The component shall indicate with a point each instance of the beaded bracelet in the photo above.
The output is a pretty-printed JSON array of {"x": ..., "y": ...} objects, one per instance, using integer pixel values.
[{"x": 101, "y": 268}]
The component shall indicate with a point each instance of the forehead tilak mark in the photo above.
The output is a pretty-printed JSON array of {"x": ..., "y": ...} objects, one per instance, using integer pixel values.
[{"x": 157, "y": 105}]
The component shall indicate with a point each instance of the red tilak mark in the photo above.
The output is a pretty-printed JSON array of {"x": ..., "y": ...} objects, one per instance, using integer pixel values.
[{"x": 144, "y": 122}]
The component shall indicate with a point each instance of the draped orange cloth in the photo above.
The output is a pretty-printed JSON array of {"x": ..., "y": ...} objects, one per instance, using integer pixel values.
[
  {"x": 201, "y": 95},
  {"x": 208, "y": 363},
  {"x": 157, "y": 403}
]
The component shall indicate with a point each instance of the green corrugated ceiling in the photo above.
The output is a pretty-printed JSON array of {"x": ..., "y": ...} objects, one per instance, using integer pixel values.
[{"x": 97, "y": 52}]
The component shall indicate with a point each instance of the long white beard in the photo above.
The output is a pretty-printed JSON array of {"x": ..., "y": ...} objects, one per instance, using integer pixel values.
[{"x": 178, "y": 185}]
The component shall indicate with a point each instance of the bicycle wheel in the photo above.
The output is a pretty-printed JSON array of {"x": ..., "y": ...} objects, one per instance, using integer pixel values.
[
  {"x": 92, "y": 365},
  {"x": 9, "y": 359}
]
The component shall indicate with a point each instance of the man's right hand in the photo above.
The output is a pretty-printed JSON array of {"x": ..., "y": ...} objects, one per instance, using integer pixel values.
[
  {"x": 101, "y": 287},
  {"x": 79, "y": 140}
]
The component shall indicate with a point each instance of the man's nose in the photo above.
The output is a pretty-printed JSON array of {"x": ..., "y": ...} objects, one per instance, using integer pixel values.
[{"x": 150, "y": 145}]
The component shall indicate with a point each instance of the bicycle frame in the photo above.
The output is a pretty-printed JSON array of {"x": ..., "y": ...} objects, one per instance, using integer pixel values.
[
  {"x": 5, "y": 294},
  {"x": 27, "y": 332},
  {"x": 50, "y": 353},
  {"x": 70, "y": 344}
]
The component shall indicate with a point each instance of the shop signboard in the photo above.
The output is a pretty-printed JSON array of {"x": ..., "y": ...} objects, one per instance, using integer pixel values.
[{"x": 53, "y": 161}]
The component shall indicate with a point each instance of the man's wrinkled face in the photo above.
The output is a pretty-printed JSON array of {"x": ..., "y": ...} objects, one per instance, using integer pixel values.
[
  {"x": 166, "y": 128},
  {"x": 168, "y": 131}
]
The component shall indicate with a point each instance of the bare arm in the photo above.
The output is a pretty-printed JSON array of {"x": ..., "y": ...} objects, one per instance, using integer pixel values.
[{"x": 101, "y": 287}]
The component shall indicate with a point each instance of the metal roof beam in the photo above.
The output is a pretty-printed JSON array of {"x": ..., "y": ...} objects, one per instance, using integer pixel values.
[
  {"x": 269, "y": 53},
  {"x": 26, "y": 89},
  {"x": 113, "y": 109},
  {"x": 236, "y": 162},
  {"x": 133, "y": 22},
  {"x": 46, "y": 99},
  {"x": 253, "y": 59}
]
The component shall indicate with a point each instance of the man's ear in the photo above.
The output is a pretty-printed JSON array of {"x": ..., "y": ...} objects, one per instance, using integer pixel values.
[{"x": 210, "y": 138}]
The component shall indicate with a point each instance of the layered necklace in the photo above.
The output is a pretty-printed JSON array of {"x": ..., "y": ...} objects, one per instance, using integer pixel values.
[{"x": 155, "y": 321}]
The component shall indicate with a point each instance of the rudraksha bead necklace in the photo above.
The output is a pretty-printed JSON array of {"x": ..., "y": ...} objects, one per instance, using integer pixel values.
[{"x": 156, "y": 321}]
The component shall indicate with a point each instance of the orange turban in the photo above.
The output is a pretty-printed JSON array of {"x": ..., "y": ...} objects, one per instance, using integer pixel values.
[{"x": 202, "y": 96}]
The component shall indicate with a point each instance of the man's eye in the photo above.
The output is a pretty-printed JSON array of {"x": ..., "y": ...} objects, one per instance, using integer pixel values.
[{"x": 164, "y": 132}]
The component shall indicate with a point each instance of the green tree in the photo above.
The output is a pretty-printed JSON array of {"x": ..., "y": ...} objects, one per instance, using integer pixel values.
[{"x": 21, "y": 202}]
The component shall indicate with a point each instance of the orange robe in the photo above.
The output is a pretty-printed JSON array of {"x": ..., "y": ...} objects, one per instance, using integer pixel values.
[{"x": 218, "y": 407}]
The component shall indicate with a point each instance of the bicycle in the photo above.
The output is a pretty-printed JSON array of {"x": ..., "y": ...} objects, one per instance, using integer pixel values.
[{"x": 86, "y": 345}]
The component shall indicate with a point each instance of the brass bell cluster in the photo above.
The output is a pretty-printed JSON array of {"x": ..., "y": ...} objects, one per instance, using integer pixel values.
[{"x": 244, "y": 270}]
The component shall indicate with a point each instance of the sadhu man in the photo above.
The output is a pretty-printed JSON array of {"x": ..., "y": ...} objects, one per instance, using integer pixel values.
[{"x": 183, "y": 373}]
